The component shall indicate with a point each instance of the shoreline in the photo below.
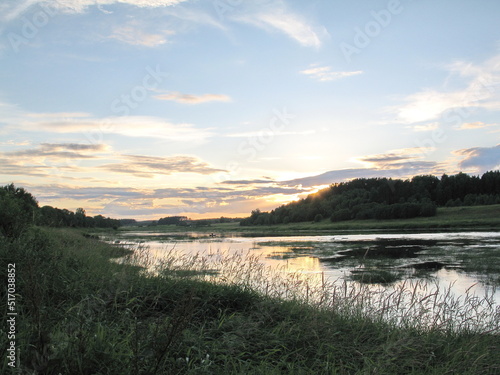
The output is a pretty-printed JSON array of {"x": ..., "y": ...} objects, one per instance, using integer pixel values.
[{"x": 448, "y": 219}]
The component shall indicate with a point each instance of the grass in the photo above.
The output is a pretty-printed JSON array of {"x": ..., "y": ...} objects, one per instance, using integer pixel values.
[
  {"x": 447, "y": 218},
  {"x": 375, "y": 276},
  {"x": 80, "y": 313}
]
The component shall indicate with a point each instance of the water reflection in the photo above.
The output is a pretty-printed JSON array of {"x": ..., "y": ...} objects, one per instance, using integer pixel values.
[{"x": 461, "y": 265}]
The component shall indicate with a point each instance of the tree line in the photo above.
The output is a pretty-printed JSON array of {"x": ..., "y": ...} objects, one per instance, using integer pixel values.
[
  {"x": 19, "y": 210},
  {"x": 185, "y": 221},
  {"x": 383, "y": 198}
]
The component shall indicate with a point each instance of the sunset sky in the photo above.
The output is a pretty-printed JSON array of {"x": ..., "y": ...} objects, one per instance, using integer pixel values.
[{"x": 207, "y": 108}]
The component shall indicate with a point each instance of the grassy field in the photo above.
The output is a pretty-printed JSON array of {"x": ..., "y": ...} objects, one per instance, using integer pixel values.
[
  {"x": 447, "y": 218},
  {"x": 80, "y": 313}
]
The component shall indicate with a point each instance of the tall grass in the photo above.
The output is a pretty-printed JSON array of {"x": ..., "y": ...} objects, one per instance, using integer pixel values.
[
  {"x": 83, "y": 314},
  {"x": 417, "y": 304}
]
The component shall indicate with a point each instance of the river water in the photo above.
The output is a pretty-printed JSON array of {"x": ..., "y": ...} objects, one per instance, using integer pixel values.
[{"x": 459, "y": 272}]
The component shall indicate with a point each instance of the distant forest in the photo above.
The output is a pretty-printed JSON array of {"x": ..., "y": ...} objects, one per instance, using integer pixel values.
[
  {"x": 19, "y": 209},
  {"x": 184, "y": 221},
  {"x": 382, "y": 198}
]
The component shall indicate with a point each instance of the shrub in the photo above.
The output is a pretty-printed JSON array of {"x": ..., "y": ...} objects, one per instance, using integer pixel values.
[
  {"x": 341, "y": 215},
  {"x": 318, "y": 218}
]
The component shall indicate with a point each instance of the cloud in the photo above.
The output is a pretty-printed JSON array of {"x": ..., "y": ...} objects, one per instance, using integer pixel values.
[
  {"x": 17, "y": 8},
  {"x": 428, "y": 105},
  {"x": 397, "y": 159},
  {"x": 15, "y": 143},
  {"x": 60, "y": 150},
  {"x": 401, "y": 163},
  {"x": 10, "y": 167},
  {"x": 268, "y": 132},
  {"x": 475, "y": 125},
  {"x": 325, "y": 73},
  {"x": 426, "y": 127},
  {"x": 50, "y": 160},
  {"x": 130, "y": 126},
  {"x": 479, "y": 90},
  {"x": 151, "y": 166},
  {"x": 193, "y": 99},
  {"x": 481, "y": 159},
  {"x": 134, "y": 202},
  {"x": 340, "y": 175},
  {"x": 291, "y": 25},
  {"x": 56, "y": 191},
  {"x": 61, "y": 160},
  {"x": 275, "y": 15},
  {"x": 247, "y": 182},
  {"x": 133, "y": 35}
]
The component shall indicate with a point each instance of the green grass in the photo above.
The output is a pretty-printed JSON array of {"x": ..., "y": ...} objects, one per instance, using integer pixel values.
[
  {"x": 80, "y": 313},
  {"x": 447, "y": 218},
  {"x": 375, "y": 276}
]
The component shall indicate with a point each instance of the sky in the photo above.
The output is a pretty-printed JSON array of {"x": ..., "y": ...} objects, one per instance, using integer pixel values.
[{"x": 207, "y": 108}]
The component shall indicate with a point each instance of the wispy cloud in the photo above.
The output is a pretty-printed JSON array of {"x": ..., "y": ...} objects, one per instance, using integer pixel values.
[
  {"x": 131, "y": 126},
  {"x": 407, "y": 158},
  {"x": 480, "y": 159},
  {"x": 266, "y": 132},
  {"x": 61, "y": 150},
  {"x": 151, "y": 166},
  {"x": 193, "y": 99},
  {"x": 339, "y": 175},
  {"x": 276, "y": 15},
  {"x": 15, "y": 143},
  {"x": 50, "y": 160},
  {"x": 146, "y": 202},
  {"x": 428, "y": 105},
  {"x": 66, "y": 158},
  {"x": 480, "y": 90},
  {"x": 12, "y": 167},
  {"x": 426, "y": 127},
  {"x": 15, "y": 9},
  {"x": 475, "y": 125},
  {"x": 247, "y": 182},
  {"x": 325, "y": 73},
  {"x": 132, "y": 34},
  {"x": 290, "y": 24}
]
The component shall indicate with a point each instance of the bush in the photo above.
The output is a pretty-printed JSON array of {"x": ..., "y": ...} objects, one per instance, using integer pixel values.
[
  {"x": 18, "y": 210},
  {"x": 428, "y": 209},
  {"x": 341, "y": 215},
  {"x": 318, "y": 218}
]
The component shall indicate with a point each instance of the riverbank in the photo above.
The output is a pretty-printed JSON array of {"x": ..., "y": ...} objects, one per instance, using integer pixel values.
[
  {"x": 473, "y": 218},
  {"x": 80, "y": 313}
]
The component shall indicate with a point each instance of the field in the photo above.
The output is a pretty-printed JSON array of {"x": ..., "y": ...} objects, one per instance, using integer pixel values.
[
  {"x": 447, "y": 218},
  {"x": 80, "y": 313}
]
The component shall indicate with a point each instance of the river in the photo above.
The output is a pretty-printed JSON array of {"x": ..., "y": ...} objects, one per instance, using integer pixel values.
[{"x": 459, "y": 272}]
